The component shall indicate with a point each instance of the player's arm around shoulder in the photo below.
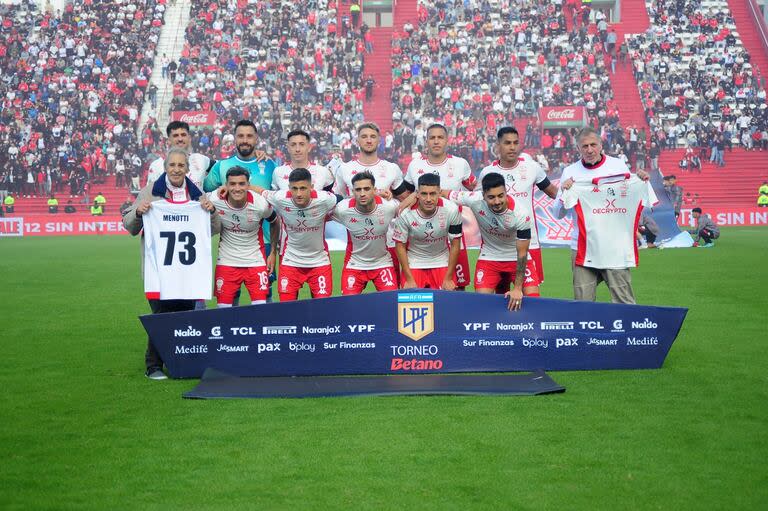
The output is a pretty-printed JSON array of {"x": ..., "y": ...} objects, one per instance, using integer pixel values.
[{"x": 132, "y": 220}]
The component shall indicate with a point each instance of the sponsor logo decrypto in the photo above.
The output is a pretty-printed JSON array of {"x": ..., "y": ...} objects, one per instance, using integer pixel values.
[
  {"x": 642, "y": 341},
  {"x": 195, "y": 349},
  {"x": 566, "y": 342},
  {"x": 593, "y": 341},
  {"x": 279, "y": 330},
  {"x": 645, "y": 324},
  {"x": 215, "y": 333},
  {"x": 189, "y": 332},
  {"x": 557, "y": 325}
]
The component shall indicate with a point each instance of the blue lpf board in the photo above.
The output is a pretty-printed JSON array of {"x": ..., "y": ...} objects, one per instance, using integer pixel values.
[{"x": 413, "y": 331}]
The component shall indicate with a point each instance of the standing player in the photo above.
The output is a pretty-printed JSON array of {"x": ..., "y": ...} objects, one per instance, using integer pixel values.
[
  {"x": 366, "y": 217},
  {"x": 299, "y": 146},
  {"x": 505, "y": 227},
  {"x": 179, "y": 136},
  {"x": 427, "y": 237},
  {"x": 304, "y": 254},
  {"x": 454, "y": 173},
  {"x": 242, "y": 259},
  {"x": 521, "y": 173},
  {"x": 251, "y": 159},
  {"x": 388, "y": 175}
]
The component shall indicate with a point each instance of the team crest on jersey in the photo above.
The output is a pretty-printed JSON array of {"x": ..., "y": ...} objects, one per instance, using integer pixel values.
[
  {"x": 429, "y": 225},
  {"x": 368, "y": 221},
  {"x": 219, "y": 284},
  {"x": 480, "y": 275},
  {"x": 415, "y": 315},
  {"x": 284, "y": 283},
  {"x": 302, "y": 214},
  {"x": 350, "y": 282},
  {"x": 611, "y": 192}
]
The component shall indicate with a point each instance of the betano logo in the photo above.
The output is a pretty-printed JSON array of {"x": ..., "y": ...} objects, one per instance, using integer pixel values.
[{"x": 415, "y": 315}]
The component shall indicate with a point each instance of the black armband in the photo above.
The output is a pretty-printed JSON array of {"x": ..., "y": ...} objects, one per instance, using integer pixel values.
[
  {"x": 328, "y": 188},
  {"x": 523, "y": 234},
  {"x": 408, "y": 186},
  {"x": 400, "y": 189},
  {"x": 544, "y": 184},
  {"x": 339, "y": 198},
  {"x": 272, "y": 217},
  {"x": 210, "y": 166},
  {"x": 454, "y": 229}
]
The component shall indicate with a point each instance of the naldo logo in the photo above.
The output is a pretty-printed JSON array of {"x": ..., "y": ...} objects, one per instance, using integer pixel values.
[
  {"x": 216, "y": 333},
  {"x": 189, "y": 332}
]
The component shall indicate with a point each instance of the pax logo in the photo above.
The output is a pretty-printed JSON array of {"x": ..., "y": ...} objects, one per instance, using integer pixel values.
[{"x": 566, "y": 342}]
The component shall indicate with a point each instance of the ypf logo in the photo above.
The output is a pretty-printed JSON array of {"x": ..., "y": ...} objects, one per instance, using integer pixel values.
[{"x": 415, "y": 315}]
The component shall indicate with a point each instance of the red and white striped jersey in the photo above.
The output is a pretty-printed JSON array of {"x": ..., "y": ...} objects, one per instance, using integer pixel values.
[
  {"x": 303, "y": 241},
  {"x": 241, "y": 243},
  {"x": 388, "y": 176},
  {"x": 607, "y": 212},
  {"x": 520, "y": 182},
  {"x": 454, "y": 172},
  {"x": 366, "y": 233},
  {"x": 428, "y": 238},
  {"x": 321, "y": 176},
  {"x": 498, "y": 231}
]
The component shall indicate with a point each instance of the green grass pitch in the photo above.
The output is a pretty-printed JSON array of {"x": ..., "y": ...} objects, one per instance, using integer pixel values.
[{"x": 81, "y": 428}]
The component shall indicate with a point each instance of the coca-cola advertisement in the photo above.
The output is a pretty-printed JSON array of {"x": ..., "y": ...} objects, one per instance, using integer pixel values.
[
  {"x": 562, "y": 117},
  {"x": 195, "y": 117}
]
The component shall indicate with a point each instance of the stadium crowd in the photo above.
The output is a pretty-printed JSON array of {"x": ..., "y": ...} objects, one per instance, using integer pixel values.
[
  {"x": 72, "y": 86},
  {"x": 286, "y": 64},
  {"x": 475, "y": 66},
  {"x": 696, "y": 80}
]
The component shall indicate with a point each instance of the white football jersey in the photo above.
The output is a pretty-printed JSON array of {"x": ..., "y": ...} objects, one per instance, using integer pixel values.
[
  {"x": 520, "y": 183},
  {"x": 608, "y": 209},
  {"x": 454, "y": 172},
  {"x": 498, "y": 231},
  {"x": 241, "y": 243},
  {"x": 388, "y": 176},
  {"x": 321, "y": 176},
  {"x": 198, "y": 167},
  {"x": 366, "y": 233},
  {"x": 177, "y": 251},
  {"x": 428, "y": 238},
  {"x": 303, "y": 242}
]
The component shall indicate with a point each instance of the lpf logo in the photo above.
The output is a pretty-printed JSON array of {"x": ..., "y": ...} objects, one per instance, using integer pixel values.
[{"x": 415, "y": 314}]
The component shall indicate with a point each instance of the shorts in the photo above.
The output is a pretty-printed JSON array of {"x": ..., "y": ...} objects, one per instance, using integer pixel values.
[
  {"x": 429, "y": 277},
  {"x": 228, "y": 280},
  {"x": 353, "y": 282},
  {"x": 535, "y": 254},
  {"x": 500, "y": 275},
  {"x": 395, "y": 264},
  {"x": 461, "y": 273},
  {"x": 320, "y": 280}
]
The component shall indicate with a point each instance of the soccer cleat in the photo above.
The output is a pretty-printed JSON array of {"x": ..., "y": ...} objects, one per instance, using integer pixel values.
[
  {"x": 708, "y": 245},
  {"x": 155, "y": 373}
]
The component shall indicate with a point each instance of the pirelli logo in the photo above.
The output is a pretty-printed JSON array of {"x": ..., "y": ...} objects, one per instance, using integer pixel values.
[{"x": 415, "y": 315}]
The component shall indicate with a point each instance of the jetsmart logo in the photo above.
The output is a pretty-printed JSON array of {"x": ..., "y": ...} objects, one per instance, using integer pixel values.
[
  {"x": 189, "y": 332},
  {"x": 557, "y": 325},
  {"x": 279, "y": 330}
]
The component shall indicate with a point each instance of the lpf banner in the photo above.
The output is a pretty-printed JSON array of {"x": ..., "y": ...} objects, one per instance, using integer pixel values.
[
  {"x": 61, "y": 225},
  {"x": 414, "y": 331}
]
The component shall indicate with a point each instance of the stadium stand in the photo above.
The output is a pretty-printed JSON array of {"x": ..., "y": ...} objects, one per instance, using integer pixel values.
[
  {"x": 282, "y": 64},
  {"x": 73, "y": 84}
]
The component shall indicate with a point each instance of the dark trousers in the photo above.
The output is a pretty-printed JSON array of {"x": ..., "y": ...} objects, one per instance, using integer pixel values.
[
  {"x": 152, "y": 357},
  {"x": 706, "y": 235},
  {"x": 649, "y": 236}
]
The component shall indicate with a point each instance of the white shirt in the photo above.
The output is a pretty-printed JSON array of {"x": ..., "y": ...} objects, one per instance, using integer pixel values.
[
  {"x": 428, "y": 239},
  {"x": 177, "y": 251},
  {"x": 388, "y": 175},
  {"x": 454, "y": 172},
  {"x": 367, "y": 233},
  {"x": 303, "y": 242},
  {"x": 321, "y": 176},
  {"x": 498, "y": 231},
  {"x": 241, "y": 243},
  {"x": 198, "y": 165},
  {"x": 609, "y": 209},
  {"x": 520, "y": 182}
]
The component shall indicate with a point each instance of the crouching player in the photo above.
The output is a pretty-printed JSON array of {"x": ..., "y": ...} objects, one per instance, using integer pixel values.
[
  {"x": 427, "y": 237},
  {"x": 241, "y": 258},
  {"x": 366, "y": 217},
  {"x": 506, "y": 235}
]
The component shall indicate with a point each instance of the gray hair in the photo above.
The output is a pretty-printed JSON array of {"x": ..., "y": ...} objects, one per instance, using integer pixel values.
[
  {"x": 587, "y": 131},
  {"x": 175, "y": 150}
]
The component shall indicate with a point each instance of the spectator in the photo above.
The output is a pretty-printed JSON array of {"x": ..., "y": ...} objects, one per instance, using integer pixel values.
[
  {"x": 647, "y": 229},
  {"x": 706, "y": 229},
  {"x": 675, "y": 193},
  {"x": 101, "y": 200},
  {"x": 70, "y": 207},
  {"x": 762, "y": 198},
  {"x": 53, "y": 204},
  {"x": 9, "y": 202},
  {"x": 97, "y": 209},
  {"x": 125, "y": 206}
]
